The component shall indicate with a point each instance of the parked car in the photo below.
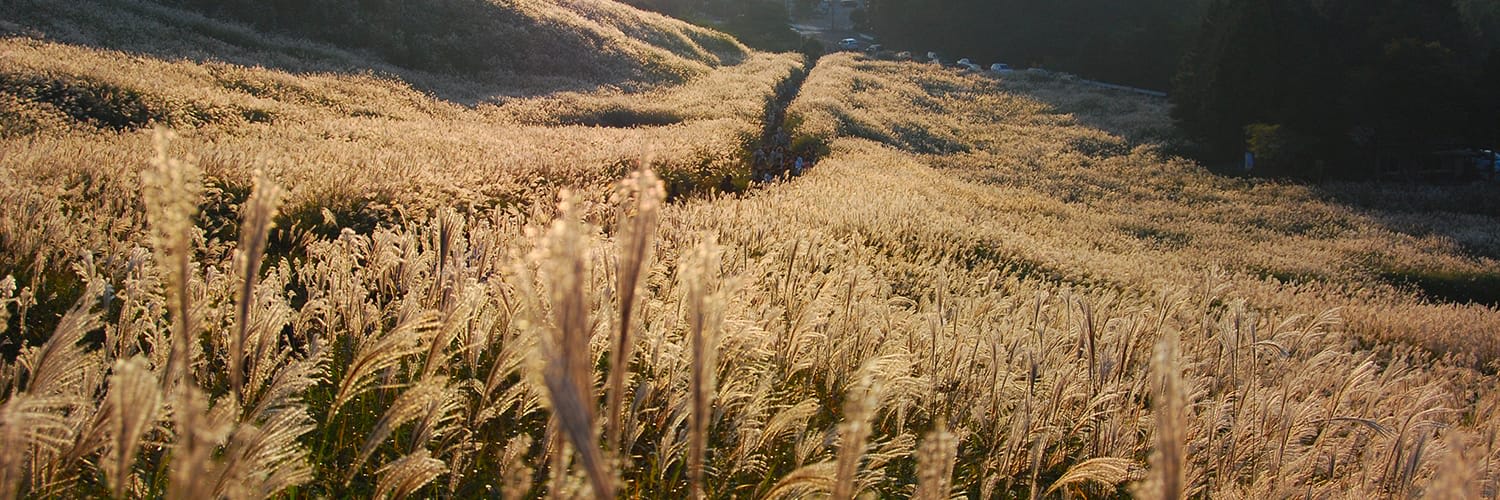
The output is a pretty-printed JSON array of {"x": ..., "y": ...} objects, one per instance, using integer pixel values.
[
  {"x": 874, "y": 48},
  {"x": 1000, "y": 68},
  {"x": 849, "y": 44},
  {"x": 848, "y": 4},
  {"x": 965, "y": 63}
]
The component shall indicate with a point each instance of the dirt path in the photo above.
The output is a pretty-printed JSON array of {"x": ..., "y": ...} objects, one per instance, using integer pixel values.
[{"x": 772, "y": 156}]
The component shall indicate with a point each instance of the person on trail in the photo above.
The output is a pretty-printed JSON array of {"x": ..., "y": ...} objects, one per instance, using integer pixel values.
[{"x": 797, "y": 167}]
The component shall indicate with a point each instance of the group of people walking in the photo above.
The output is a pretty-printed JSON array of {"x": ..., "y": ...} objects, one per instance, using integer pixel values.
[{"x": 775, "y": 159}]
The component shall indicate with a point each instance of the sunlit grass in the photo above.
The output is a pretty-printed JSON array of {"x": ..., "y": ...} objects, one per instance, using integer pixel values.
[{"x": 994, "y": 288}]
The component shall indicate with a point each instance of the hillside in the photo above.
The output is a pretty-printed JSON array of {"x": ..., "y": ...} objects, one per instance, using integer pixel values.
[
  {"x": 465, "y": 51},
  {"x": 358, "y": 142},
  {"x": 261, "y": 260},
  {"x": 1017, "y": 246},
  {"x": 1068, "y": 183}
]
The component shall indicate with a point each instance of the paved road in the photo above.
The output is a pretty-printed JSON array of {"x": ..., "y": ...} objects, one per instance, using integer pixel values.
[{"x": 829, "y": 27}]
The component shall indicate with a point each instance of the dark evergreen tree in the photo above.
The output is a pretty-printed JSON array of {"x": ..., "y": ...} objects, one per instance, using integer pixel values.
[
  {"x": 1484, "y": 116},
  {"x": 1136, "y": 42},
  {"x": 1337, "y": 81},
  {"x": 1255, "y": 61}
]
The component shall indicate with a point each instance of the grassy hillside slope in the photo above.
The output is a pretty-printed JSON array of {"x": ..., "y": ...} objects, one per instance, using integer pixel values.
[
  {"x": 355, "y": 140},
  {"x": 1075, "y": 189},
  {"x": 461, "y": 50},
  {"x": 1028, "y": 229},
  {"x": 96, "y": 104}
]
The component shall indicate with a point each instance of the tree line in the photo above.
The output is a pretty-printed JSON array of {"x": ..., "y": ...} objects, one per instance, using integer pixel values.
[
  {"x": 1135, "y": 42},
  {"x": 1341, "y": 87},
  {"x": 1314, "y": 87}
]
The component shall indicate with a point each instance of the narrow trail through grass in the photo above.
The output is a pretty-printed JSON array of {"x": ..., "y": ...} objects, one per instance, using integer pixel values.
[{"x": 774, "y": 155}]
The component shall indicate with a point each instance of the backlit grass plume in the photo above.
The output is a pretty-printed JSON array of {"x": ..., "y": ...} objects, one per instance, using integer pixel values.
[
  {"x": 171, "y": 192},
  {"x": 134, "y": 401},
  {"x": 637, "y": 240},
  {"x": 255, "y": 227},
  {"x": 569, "y": 373},
  {"x": 704, "y": 317},
  {"x": 935, "y": 464}
]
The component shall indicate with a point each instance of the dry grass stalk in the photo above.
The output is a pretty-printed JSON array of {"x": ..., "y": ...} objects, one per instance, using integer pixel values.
[
  {"x": 1401, "y": 467},
  {"x": 134, "y": 401},
  {"x": 35, "y": 426},
  {"x": 1168, "y": 475},
  {"x": 285, "y": 387},
  {"x": 198, "y": 434},
  {"x": 29, "y": 425},
  {"x": 935, "y": 464},
  {"x": 1108, "y": 471},
  {"x": 377, "y": 355},
  {"x": 807, "y": 481},
  {"x": 636, "y": 244},
  {"x": 569, "y": 372},
  {"x": 7, "y": 298},
  {"x": 704, "y": 319},
  {"x": 516, "y": 474},
  {"x": 1462, "y": 471},
  {"x": 59, "y": 366},
  {"x": 172, "y": 189},
  {"x": 404, "y": 476},
  {"x": 265, "y": 459},
  {"x": 413, "y": 403},
  {"x": 859, "y": 409},
  {"x": 255, "y": 228}
]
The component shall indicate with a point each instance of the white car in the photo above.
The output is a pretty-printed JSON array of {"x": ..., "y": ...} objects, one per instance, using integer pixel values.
[
  {"x": 849, "y": 44},
  {"x": 1000, "y": 68}
]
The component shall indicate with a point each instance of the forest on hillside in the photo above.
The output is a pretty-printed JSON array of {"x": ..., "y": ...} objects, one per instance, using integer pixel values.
[
  {"x": 1313, "y": 87},
  {"x": 1136, "y": 42},
  {"x": 1335, "y": 87}
]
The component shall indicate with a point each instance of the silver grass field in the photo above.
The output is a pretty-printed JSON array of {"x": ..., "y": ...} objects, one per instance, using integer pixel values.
[{"x": 986, "y": 287}]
